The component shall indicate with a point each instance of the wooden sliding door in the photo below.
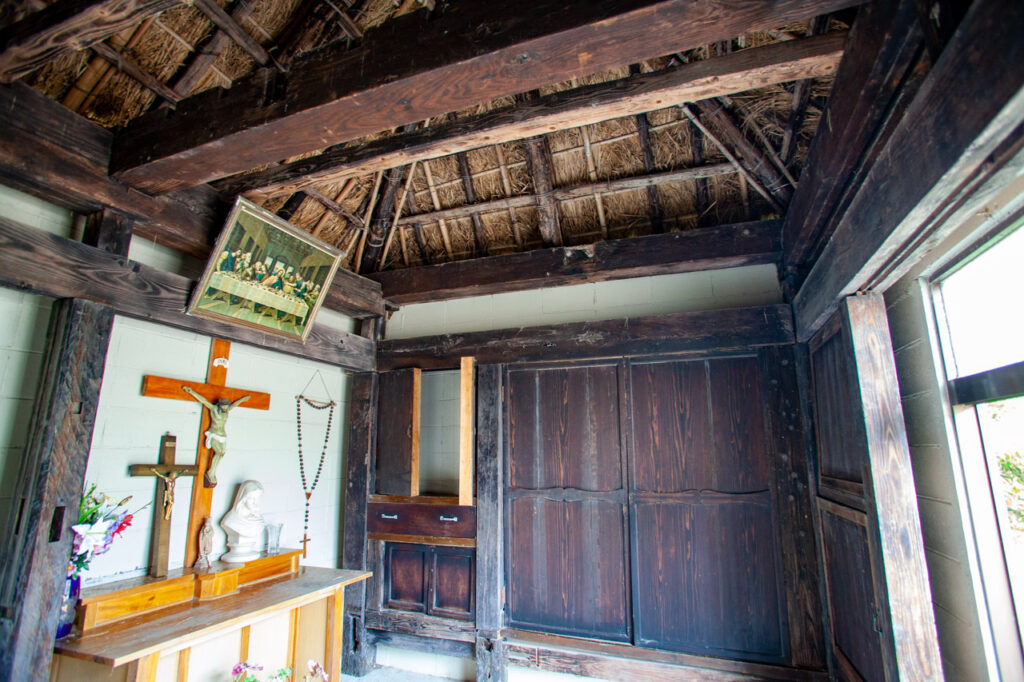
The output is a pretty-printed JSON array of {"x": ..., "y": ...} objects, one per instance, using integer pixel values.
[
  {"x": 706, "y": 572},
  {"x": 567, "y": 566}
]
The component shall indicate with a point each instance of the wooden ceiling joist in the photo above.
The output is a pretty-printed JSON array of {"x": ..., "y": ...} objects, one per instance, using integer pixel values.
[
  {"x": 129, "y": 66},
  {"x": 749, "y": 243},
  {"x": 573, "y": 193},
  {"x": 227, "y": 23},
  {"x": 204, "y": 57},
  {"x": 538, "y": 162},
  {"x": 325, "y": 100},
  {"x": 736, "y": 72},
  {"x": 68, "y": 26}
]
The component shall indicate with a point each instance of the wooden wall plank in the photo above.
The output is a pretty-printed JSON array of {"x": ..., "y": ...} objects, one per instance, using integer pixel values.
[
  {"x": 973, "y": 100},
  {"x": 748, "y": 243},
  {"x": 732, "y": 73},
  {"x": 359, "y": 653},
  {"x": 64, "y": 27},
  {"x": 33, "y": 565},
  {"x": 738, "y": 328},
  {"x": 466, "y": 426},
  {"x": 46, "y": 264},
  {"x": 324, "y": 101},
  {"x": 394, "y": 453}
]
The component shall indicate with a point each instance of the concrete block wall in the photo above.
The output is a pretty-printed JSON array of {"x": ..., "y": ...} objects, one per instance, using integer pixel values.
[
  {"x": 439, "y": 433},
  {"x": 686, "y": 292},
  {"x": 23, "y": 323}
]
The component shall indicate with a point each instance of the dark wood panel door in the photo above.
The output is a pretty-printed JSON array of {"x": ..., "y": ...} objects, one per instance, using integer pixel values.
[
  {"x": 568, "y": 569},
  {"x": 706, "y": 558},
  {"x": 452, "y": 582},
  {"x": 406, "y": 577},
  {"x": 876, "y": 580}
]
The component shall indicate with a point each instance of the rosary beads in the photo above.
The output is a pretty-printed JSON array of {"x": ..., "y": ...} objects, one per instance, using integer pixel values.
[{"x": 316, "y": 405}]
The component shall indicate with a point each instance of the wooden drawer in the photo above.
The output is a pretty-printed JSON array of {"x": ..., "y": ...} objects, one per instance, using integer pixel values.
[{"x": 430, "y": 520}]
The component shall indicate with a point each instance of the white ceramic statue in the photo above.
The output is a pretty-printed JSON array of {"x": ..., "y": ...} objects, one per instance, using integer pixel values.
[{"x": 244, "y": 524}]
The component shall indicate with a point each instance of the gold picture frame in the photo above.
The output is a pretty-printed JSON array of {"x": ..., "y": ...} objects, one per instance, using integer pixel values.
[{"x": 266, "y": 274}]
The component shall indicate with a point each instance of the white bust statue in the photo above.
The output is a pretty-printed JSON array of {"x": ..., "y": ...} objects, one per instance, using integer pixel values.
[{"x": 244, "y": 524}]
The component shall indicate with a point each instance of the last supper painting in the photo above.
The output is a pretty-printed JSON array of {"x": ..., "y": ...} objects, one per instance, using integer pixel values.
[{"x": 265, "y": 273}]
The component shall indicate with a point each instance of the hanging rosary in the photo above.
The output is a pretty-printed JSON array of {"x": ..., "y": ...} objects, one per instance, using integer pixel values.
[{"x": 316, "y": 405}]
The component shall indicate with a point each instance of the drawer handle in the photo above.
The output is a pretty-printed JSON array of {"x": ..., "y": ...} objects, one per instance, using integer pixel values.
[
  {"x": 389, "y": 517},
  {"x": 449, "y": 518}
]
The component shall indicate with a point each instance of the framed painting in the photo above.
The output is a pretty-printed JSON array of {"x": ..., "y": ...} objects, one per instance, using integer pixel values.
[{"x": 265, "y": 273}]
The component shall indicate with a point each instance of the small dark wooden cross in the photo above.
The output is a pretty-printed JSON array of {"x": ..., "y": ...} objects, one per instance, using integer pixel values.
[{"x": 167, "y": 474}]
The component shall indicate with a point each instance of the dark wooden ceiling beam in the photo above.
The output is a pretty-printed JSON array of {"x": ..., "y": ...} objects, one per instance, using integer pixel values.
[
  {"x": 643, "y": 130},
  {"x": 704, "y": 249},
  {"x": 885, "y": 44},
  {"x": 573, "y": 193},
  {"x": 538, "y": 163},
  {"x": 736, "y": 72},
  {"x": 801, "y": 98},
  {"x": 68, "y": 26},
  {"x": 203, "y": 59},
  {"x": 378, "y": 231},
  {"x": 336, "y": 95},
  {"x": 973, "y": 102},
  {"x": 46, "y": 264},
  {"x": 737, "y": 328},
  {"x": 466, "y": 175}
]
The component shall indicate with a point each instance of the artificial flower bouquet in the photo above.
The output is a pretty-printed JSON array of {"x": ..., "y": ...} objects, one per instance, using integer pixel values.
[
  {"x": 100, "y": 520},
  {"x": 244, "y": 671}
]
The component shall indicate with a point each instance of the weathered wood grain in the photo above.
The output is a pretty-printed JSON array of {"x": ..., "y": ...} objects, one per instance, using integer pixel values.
[
  {"x": 359, "y": 653},
  {"x": 538, "y": 164},
  {"x": 896, "y": 527},
  {"x": 884, "y": 43},
  {"x": 109, "y": 231},
  {"x": 736, "y": 72},
  {"x": 393, "y": 463},
  {"x": 227, "y": 23},
  {"x": 67, "y": 26},
  {"x": 337, "y": 94},
  {"x": 973, "y": 111},
  {"x": 126, "y": 64},
  {"x": 421, "y": 625},
  {"x": 739, "y": 328},
  {"x": 703, "y": 249},
  {"x": 46, "y": 264},
  {"x": 33, "y": 565}
]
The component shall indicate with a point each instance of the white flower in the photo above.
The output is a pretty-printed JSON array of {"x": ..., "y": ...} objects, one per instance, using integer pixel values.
[{"x": 91, "y": 535}]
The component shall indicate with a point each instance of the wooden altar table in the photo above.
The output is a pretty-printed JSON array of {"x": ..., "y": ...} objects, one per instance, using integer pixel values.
[{"x": 281, "y": 621}]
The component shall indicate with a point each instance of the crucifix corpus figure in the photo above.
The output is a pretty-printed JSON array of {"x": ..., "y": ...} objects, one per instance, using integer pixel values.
[{"x": 216, "y": 435}]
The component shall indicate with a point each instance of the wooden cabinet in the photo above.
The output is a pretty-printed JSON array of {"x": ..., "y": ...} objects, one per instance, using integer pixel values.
[{"x": 435, "y": 580}]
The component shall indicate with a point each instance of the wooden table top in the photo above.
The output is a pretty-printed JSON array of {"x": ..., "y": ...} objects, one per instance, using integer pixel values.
[{"x": 176, "y": 626}]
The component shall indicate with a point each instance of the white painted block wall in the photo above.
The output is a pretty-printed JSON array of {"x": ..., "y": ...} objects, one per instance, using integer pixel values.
[
  {"x": 23, "y": 322},
  {"x": 261, "y": 444},
  {"x": 686, "y": 292}
]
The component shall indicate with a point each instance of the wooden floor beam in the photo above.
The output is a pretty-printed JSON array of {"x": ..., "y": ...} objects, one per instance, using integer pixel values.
[
  {"x": 736, "y": 72},
  {"x": 704, "y": 249},
  {"x": 340, "y": 94}
]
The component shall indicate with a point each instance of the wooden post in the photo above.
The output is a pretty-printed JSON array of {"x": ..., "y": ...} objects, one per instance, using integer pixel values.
[
  {"x": 33, "y": 566},
  {"x": 490, "y": 537},
  {"x": 358, "y": 654},
  {"x": 466, "y": 432}
]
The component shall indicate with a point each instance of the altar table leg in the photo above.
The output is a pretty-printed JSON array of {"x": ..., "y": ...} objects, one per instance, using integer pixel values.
[
  {"x": 335, "y": 618},
  {"x": 143, "y": 669}
]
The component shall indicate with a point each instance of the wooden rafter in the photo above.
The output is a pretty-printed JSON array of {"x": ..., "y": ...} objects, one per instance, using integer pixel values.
[
  {"x": 800, "y": 100},
  {"x": 643, "y": 131},
  {"x": 724, "y": 246},
  {"x": 588, "y": 155},
  {"x": 65, "y": 27},
  {"x": 538, "y": 161},
  {"x": 203, "y": 58},
  {"x": 129, "y": 66},
  {"x": 226, "y": 23},
  {"x": 736, "y": 72},
  {"x": 466, "y": 175},
  {"x": 575, "y": 192},
  {"x": 506, "y": 185},
  {"x": 327, "y": 102}
]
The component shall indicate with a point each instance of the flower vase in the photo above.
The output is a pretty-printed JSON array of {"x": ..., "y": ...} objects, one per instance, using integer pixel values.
[{"x": 69, "y": 605}]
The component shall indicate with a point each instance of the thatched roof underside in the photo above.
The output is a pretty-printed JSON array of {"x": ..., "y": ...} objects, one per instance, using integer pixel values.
[{"x": 165, "y": 45}]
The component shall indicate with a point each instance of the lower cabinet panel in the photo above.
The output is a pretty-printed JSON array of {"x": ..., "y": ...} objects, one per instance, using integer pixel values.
[{"x": 435, "y": 580}]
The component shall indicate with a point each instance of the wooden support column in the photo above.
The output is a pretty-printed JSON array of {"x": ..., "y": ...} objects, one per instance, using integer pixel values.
[
  {"x": 359, "y": 654},
  {"x": 490, "y": 536},
  {"x": 910, "y": 643},
  {"x": 538, "y": 162},
  {"x": 37, "y": 545},
  {"x": 109, "y": 230}
]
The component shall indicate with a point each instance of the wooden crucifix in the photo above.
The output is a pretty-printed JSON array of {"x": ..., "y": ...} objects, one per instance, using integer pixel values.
[
  {"x": 214, "y": 389},
  {"x": 167, "y": 474}
]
